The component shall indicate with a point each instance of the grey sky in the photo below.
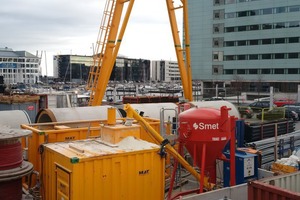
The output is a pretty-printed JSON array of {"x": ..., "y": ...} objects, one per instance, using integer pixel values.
[{"x": 65, "y": 26}]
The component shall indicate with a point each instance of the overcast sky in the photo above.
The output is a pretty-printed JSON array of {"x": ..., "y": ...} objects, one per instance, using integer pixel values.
[{"x": 72, "y": 26}]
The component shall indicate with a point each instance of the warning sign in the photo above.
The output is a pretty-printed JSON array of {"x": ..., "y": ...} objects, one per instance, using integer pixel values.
[{"x": 30, "y": 108}]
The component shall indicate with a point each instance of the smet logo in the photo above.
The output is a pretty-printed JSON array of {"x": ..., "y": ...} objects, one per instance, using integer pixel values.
[{"x": 203, "y": 126}]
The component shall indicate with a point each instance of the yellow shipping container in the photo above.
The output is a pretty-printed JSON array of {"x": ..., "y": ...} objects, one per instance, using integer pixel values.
[
  {"x": 93, "y": 169},
  {"x": 67, "y": 131},
  {"x": 56, "y": 132}
]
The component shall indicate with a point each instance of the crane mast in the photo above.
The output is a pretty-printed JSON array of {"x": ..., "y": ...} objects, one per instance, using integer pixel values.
[{"x": 111, "y": 32}]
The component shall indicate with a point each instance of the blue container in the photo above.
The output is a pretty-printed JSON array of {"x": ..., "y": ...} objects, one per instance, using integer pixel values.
[{"x": 246, "y": 168}]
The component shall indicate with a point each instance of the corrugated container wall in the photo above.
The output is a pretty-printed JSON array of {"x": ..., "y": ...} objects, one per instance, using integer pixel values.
[
  {"x": 278, "y": 187},
  {"x": 31, "y": 108},
  {"x": 88, "y": 169}
]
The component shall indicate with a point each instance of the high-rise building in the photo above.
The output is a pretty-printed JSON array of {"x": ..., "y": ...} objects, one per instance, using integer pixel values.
[
  {"x": 165, "y": 71},
  {"x": 19, "y": 66},
  {"x": 253, "y": 42}
]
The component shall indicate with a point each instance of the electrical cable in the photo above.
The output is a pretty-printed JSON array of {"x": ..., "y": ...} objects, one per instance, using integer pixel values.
[{"x": 10, "y": 155}]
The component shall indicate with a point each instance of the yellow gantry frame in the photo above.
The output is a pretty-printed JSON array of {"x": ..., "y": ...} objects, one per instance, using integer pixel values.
[
  {"x": 131, "y": 113},
  {"x": 109, "y": 41}
]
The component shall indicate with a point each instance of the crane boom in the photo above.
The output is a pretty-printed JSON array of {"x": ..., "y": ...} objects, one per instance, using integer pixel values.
[{"x": 109, "y": 41}]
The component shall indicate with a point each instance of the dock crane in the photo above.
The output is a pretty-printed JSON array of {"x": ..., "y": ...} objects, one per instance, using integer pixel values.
[{"x": 111, "y": 32}]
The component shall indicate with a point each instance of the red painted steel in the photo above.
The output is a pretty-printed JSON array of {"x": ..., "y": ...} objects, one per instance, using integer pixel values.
[
  {"x": 205, "y": 130},
  {"x": 263, "y": 191}
]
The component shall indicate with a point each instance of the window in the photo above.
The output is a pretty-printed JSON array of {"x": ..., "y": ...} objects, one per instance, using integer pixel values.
[
  {"x": 241, "y": 57},
  {"x": 217, "y": 69},
  {"x": 253, "y": 71},
  {"x": 241, "y": 71},
  {"x": 242, "y": 28},
  {"x": 216, "y": 2},
  {"x": 267, "y": 11},
  {"x": 266, "y": 71},
  {"x": 217, "y": 42},
  {"x": 279, "y": 71},
  {"x": 293, "y": 55},
  {"x": 229, "y": 43},
  {"x": 229, "y": 57},
  {"x": 294, "y": 8},
  {"x": 266, "y": 41},
  {"x": 229, "y": 1},
  {"x": 279, "y": 40},
  {"x": 230, "y": 15},
  {"x": 218, "y": 28},
  {"x": 279, "y": 56},
  {"x": 266, "y": 56},
  {"x": 242, "y": 14},
  {"x": 294, "y": 24},
  {"x": 253, "y": 42},
  {"x": 241, "y": 43},
  {"x": 280, "y": 25},
  {"x": 293, "y": 39},
  {"x": 216, "y": 14},
  {"x": 267, "y": 26},
  {"x": 280, "y": 10},
  {"x": 229, "y": 29},
  {"x": 254, "y": 27},
  {"x": 292, "y": 71},
  {"x": 253, "y": 57},
  {"x": 253, "y": 12},
  {"x": 228, "y": 71},
  {"x": 215, "y": 56}
]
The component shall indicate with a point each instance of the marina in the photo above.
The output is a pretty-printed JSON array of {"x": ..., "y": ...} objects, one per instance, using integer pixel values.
[{"x": 222, "y": 122}]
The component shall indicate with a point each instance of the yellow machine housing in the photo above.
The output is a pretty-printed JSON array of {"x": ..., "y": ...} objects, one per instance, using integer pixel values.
[
  {"x": 93, "y": 169},
  {"x": 114, "y": 134}
]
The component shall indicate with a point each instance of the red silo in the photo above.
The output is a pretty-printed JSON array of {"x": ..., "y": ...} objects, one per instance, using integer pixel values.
[{"x": 204, "y": 132}]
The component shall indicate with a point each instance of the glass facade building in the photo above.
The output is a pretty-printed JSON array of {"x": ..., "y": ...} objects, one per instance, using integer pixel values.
[
  {"x": 248, "y": 41},
  {"x": 75, "y": 68},
  {"x": 72, "y": 68}
]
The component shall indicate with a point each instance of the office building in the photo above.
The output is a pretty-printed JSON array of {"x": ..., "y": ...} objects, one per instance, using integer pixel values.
[
  {"x": 125, "y": 69},
  {"x": 19, "y": 66},
  {"x": 130, "y": 69},
  {"x": 254, "y": 43},
  {"x": 72, "y": 68},
  {"x": 165, "y": 71}
]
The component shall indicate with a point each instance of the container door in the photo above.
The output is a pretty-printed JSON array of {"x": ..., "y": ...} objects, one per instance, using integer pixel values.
[{"x": 62, "y": 184}]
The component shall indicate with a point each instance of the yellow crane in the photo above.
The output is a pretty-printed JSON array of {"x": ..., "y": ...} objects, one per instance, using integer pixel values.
[{"x": 111, "y": 32}]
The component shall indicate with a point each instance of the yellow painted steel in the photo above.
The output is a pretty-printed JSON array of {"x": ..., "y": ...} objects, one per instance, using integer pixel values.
[
  {"x": 131, "y": 113},
  {"x": 108, "y": 44},
  {"x": 111, "y": 116},
  {"x": 109, "y": 41},
  {"x": 182, "y": 52},
  {"x": 116, "y": 133},
  {"x": 114, "y": 174}
]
